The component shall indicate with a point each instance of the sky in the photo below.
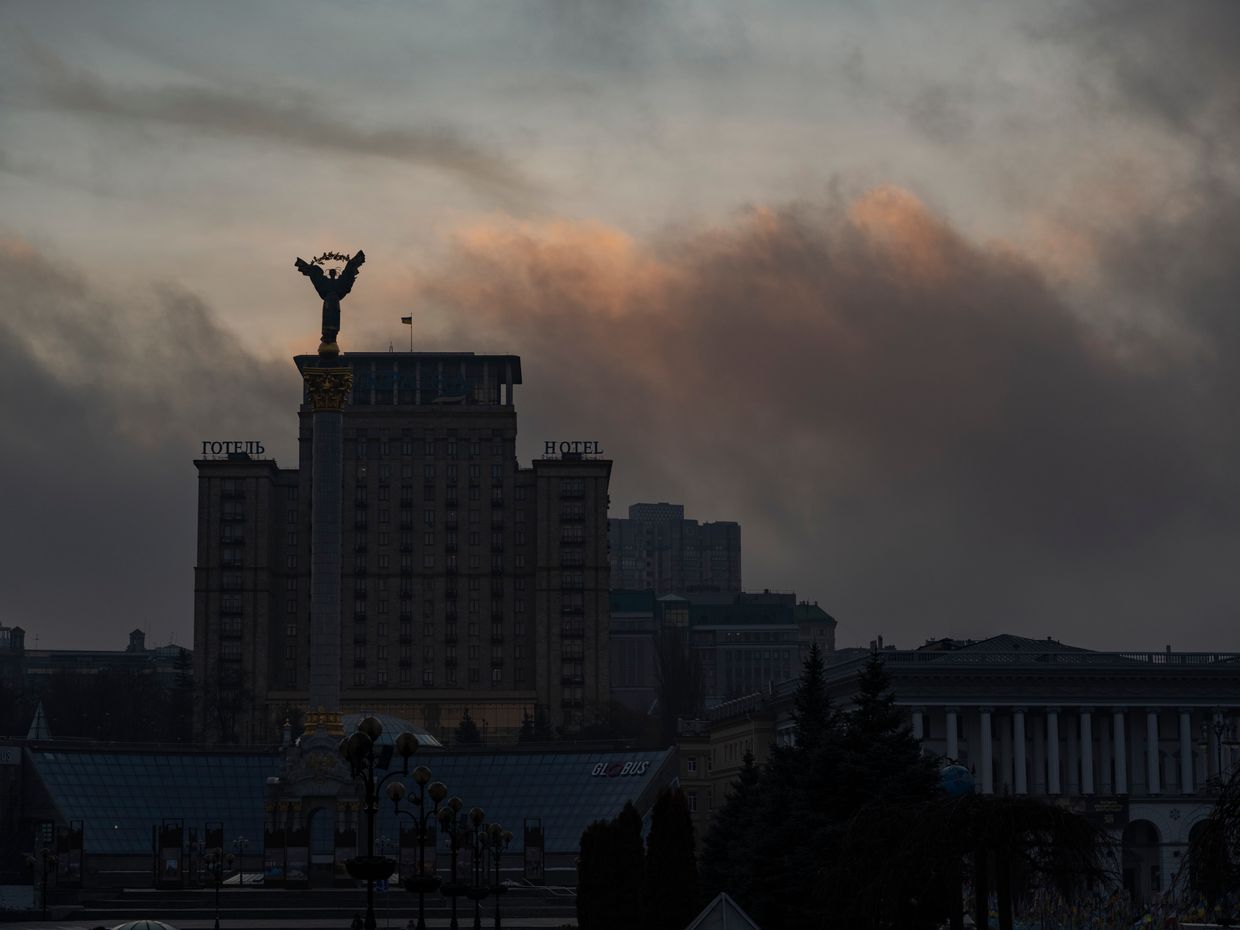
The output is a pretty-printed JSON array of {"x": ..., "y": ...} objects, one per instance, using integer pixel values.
[{"x": 939, "y": 301}]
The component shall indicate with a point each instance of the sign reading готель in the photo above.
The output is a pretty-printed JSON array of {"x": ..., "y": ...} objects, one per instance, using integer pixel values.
[
  {"x": 249, "y": 447},
  {"x": 575, "y": 447}
]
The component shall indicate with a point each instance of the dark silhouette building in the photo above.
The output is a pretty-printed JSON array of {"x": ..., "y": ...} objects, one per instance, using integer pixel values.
[
  {"x": 655, "y": 548},
  {"x": 467, "y": 581}
]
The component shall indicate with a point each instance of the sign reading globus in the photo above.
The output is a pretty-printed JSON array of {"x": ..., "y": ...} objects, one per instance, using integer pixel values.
[{"x": 619, "y": 769}]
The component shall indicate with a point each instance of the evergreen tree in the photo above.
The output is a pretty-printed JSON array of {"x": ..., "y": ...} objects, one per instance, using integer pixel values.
[
  {"x": 544, "y": 732},
  {"x": 671, "y": 867},
  {"x": 811, "y": 706},
  {"x": 596, "y": 873},
  {"x": 527, "y": 728},
  {"x": 630, "y": 869},
  {"x": 467, "y": 731},
  {"x": 726, "y": 862}
]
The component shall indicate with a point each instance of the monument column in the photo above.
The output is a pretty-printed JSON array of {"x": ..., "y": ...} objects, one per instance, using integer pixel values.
[
  {"x": 327, "y": 386},
  {"x": 1087, "y": 751}
]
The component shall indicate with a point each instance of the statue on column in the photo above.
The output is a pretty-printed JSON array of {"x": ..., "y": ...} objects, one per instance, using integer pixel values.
[{"x": 332, "y": 289}]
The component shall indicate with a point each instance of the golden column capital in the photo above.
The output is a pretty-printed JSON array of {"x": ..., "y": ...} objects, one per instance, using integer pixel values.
[{"x": 328, "y": 386}]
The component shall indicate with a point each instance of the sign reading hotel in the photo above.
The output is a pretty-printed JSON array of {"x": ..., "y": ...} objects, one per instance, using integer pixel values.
[
  {"x": 573, "y": 447},
  {"x": 231, "y": 447}
]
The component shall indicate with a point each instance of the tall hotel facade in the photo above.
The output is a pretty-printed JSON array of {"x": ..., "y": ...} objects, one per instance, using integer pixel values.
[{"x": 467, "y": 582}]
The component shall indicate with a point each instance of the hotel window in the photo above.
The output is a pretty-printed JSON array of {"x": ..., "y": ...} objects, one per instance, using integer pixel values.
[
  {"x": 692, "y": 799},
  {"x": 359, "y": 679},
  {"x": 230, "y": 581},
  {"x": 692, "y": 764},
  {"x": 428, "y": 653},
  {"x": 290, "y": 607},
  {"x": 384, "y": 560},
  {"x": 290, "y": 561},
  {"x": 428, "y": 517},
  {"x": 497, "y": 676},
  {"x": 381, "y": 676},
  {"x": 518, "y": 675},
  {"x": 428, "y": 678},
  {"x": 406, "y": 675},
  {"x": 450, "y": 675},
  {"x": 451, "y": 448},
  {"x": 428, "y": 560},
  {"x": 473, "y": 676}
]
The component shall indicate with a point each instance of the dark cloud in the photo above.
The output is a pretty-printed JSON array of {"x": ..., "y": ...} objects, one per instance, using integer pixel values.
[
  {"x": 913, "y": 429},
  {"x": 106, "y": 400},
  {"x": 1176, "y": 62},
  {"x": 266, "y": 113}
]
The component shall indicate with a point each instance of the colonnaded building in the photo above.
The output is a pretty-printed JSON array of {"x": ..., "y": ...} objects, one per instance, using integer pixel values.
[
  {"x": 1136, "y": 740},
  {"x": 466, "y": 581}
]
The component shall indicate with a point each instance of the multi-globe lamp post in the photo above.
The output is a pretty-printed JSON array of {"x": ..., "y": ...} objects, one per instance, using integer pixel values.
[
  {"x": 434, "y": 791},
  {"x": 46, "y": 863},
  {"x": 241, "y": 844},
  {"x": 358, "y": 749},
  {"x": 216, "y": 862}
]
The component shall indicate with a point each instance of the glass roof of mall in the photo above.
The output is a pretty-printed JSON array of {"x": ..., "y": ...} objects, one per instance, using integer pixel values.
[{"x": 121, "y": 795}]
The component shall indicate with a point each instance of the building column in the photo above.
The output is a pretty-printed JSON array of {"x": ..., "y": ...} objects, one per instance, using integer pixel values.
[
  {"x": 1072, "y": 754},
  {"x": 1213, "y": 752},
  {"x": 1038, "y": 738},
  {"x": 1120, "y": 744},
  {"x": 1087, "y": 751},
  {"x": 1153, "y": 768},
  {"x": 919, "y": 732},
  {"x": 1052, "y": 751},
  {"x": 986, "y": 763},
  {"x": 1004, "y": 725},
  {"x": 953, "y": 745},
  {"x": 1186, "y": 752},
  {"x": 1021, "y": 781},
  {"x": 1104, "y": 757}
]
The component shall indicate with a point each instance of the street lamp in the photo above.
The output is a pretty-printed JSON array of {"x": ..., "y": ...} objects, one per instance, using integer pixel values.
[
  {"x": 240, "y": 844},
  {"x": 46, "y": 864},
  {"x": 449, "y": 821},
  {"x": 478, "y": 866},
  {"x": 358, "y": 750},
  {"x": 498, "y": 838},
  {"x": 423, "y": 881},
  {"x": 216, "y": 862}
]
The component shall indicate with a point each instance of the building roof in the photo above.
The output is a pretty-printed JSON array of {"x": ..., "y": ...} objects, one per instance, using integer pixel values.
[
  {"x": 1002, "y": 642},
  {"x": 806, "y": 612},
  {"x": 121, "y": 794},
  {"x": 722, "y": 914},
  {"x": 392, "y": 727}
]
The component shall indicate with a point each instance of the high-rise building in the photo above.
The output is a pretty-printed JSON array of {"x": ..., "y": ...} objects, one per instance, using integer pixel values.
[
  {"x": 657, "y": 549},
  {"x": 467, "y": 581}
]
